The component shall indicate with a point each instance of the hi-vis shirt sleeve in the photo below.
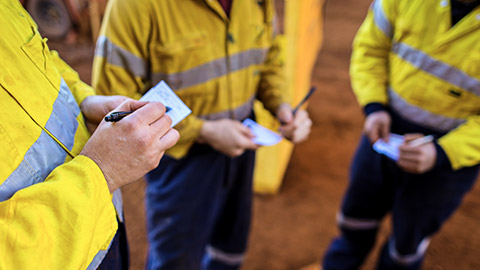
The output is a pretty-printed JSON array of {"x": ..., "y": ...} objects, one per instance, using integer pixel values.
[
  {"x": 371, "y": 47},
  {"x": 121, "y": 65},
  {"x": 58, "y": 224},
  {"x": 79, "y": 89},
  {"x": 462, "y": 145},
  {"x": 272, "y": 89}
]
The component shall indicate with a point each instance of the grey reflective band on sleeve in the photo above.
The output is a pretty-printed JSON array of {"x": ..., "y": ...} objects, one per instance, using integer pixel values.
[
  {"x": 356, "y": 223},
  {"x": 420, "y": 116},
  {"x": 224, "y": 257},
  {"x": 380, "y": 18},
  {"x": 211, "y": 70},
  {"x": 97, "y": 260},
  {"x": 120, "y": 57},
  {"x": 118, "y": 203},
  {"x": 410, "y": 258},
  {"x": 39, "y": 161},
  {"x": 46, "y": 154},
  {"x": 62, "y": 122},
  {"x": 439, "y": 69}
]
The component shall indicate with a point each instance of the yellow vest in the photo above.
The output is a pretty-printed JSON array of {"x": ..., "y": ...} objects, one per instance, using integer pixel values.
[
  {"x": 217, "y": 65},
  {"x": 406, "y": 55},
  {"x": 55, "y": 207}
]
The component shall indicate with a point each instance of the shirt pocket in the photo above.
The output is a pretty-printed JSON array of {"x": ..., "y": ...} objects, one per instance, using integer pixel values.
[
  {"x": 472, "y": 65},
  {"x": 38, "y": 52},
  {"x": 186, "y": 63},
  {"x": 181, "y": 54}
]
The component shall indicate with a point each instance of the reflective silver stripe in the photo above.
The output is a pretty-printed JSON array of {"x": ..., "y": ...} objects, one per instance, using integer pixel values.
[
  {"x": 410, "y": 258},
  {"x": 62, "y": 122},
  {"x": 420, "y": 116},
  {"x": 437, "y": 68},
  {"x": 46, "y": 154},
  {"x": 39, "y": 161},
  {"x": 226, "y": 258},
  {"x": 211, "y": 70},
  {"x": 97, "y": 260},
  {"x": 118, "y": 203},
  {"x": 240, "y": 113},
  {"x": 381, "y": 20},
  {"x": 355, "y": 223},
  {"x": 120, "y": 57}
]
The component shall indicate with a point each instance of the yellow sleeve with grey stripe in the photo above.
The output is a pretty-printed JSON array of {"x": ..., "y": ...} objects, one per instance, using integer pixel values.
[{"x": 371, "y": 47}]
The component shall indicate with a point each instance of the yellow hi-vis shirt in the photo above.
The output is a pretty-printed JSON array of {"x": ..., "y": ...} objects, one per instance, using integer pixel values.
[
  {"x": 408, "y": 56},
  {"x": 56, "y": 211},
  {"x": 217, "y": 65}
]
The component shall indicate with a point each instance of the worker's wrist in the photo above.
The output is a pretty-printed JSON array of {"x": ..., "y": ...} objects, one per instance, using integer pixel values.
[
  {"x": 442, "y": 161},
  {"x": 373, "y": 107},
  {"x": 204, "y": 132}
]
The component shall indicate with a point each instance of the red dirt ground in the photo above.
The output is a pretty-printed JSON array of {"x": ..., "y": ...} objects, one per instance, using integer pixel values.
[{"x": 293, "y": 228}]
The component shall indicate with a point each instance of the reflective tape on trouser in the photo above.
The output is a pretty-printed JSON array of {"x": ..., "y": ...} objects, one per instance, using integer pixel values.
[
  {"x": 356, "y": 223},
  {"x": 437, "y": 68},
  {"x": 224, "y": 257},
  {"x": 380, "y": 18},
  {"x": 409, "y": 258},
  {"x": 420, "y": 116}
]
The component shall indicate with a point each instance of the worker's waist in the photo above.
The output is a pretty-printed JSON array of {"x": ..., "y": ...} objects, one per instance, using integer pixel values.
[{"x": 400, "y": 125}]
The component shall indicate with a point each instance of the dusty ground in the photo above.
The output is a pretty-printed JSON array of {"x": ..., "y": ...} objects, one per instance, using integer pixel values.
[{"x": 294, "y": 228}]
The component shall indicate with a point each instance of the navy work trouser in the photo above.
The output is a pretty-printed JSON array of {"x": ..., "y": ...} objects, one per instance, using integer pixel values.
[
  {"x": 419, "y": 205},
  {"x": 198, "y": 210}
]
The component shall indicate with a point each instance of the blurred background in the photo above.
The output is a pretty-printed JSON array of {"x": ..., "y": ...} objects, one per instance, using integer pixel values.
[{"x": 294, "y": 221}]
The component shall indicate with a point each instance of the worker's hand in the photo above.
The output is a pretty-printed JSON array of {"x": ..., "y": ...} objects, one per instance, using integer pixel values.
[
  {"x": 227, "y": 136},
  {"x": 128, "y": 149},
  {"x": 416, "y": 159},
  {"x": 377, "y": 125},
  {"x": 295, "y": 128},
  {"x": 94, "y": 108}
]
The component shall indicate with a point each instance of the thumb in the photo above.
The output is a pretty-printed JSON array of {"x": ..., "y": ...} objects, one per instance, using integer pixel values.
[
  {"x": 384, "y": 132},
  {"x": 412, "y": 136},
  {"x": 245, "y": 131},
  {"x": 285, "y": 114}
]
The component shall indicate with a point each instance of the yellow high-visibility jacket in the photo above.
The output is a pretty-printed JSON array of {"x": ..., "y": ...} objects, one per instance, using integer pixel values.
[
  {"x": 406, "y": 55},
  {"x": 56, "y": 210},
  {"x": 217, "y": 65}
]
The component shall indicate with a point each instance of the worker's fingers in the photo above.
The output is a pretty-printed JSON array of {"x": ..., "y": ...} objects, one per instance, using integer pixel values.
[
  {"x": 169, "y": 139},
  {"x": 162, "y": 125},
  {"x": 411, "y": 136},
  {"x": 146, "y": 113}
]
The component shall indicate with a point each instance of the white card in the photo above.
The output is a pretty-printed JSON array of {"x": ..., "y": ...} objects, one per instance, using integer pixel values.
[
  {"x": 390, "y": 148},
  {"x": 263, "y": 136},
  {"x": 164, "y": 94}
]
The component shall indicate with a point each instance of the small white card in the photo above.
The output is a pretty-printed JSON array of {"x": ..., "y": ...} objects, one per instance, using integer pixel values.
[
  {"x": 263, "y": 136},
  {"x": 176, "y": 109},
  {"x": 390, "y": 148}
]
